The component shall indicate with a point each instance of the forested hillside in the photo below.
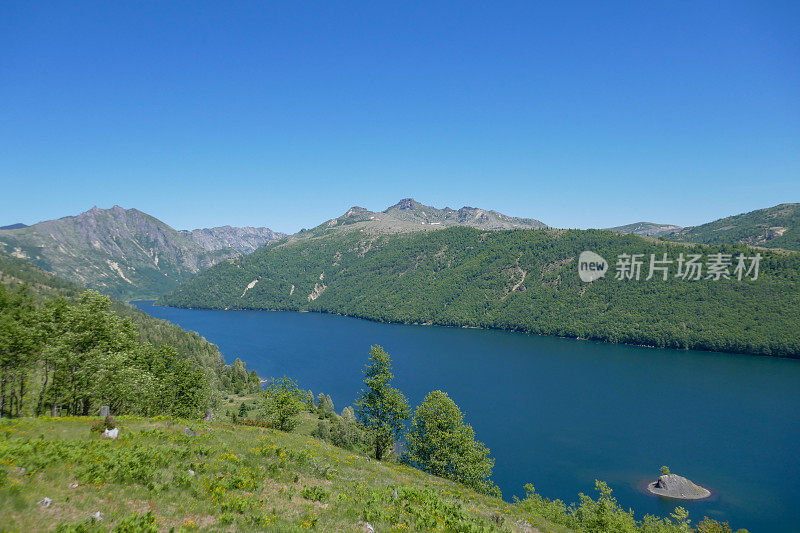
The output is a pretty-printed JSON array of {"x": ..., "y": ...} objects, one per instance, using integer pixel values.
[
  {"x": 64, "y": 348},
  {"x": 524, "y": 280},
  {"x": 774, "y": 227}
]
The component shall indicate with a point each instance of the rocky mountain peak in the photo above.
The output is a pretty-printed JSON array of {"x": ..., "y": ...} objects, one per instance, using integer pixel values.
[{"x": 406, "y": 204}]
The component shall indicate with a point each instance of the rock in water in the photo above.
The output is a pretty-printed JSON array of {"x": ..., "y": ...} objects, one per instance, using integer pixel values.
[{"x": 675, "y": 486}]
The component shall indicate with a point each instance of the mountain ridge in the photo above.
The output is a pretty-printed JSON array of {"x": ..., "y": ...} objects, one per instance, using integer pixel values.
[
  {"x": 771, "y": 227},
  {"x": 651, "y": 229},
  {"x": 127, "y": 253},
  {"x": 408, "y": 215}
]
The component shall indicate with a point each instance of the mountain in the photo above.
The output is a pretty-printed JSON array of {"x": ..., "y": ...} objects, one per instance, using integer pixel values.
[
  {"x": 518, "y": 280},
  {"x": 127, "y": 253},
  {"x": 651, "y": 229},
  {"x": 18, "y": 225},
  {"x": 409, "y": 210},
  {"x": 408, "y": 215},
  {"x": 774, "y": 227},
  {"x": 244, "y": 240}
]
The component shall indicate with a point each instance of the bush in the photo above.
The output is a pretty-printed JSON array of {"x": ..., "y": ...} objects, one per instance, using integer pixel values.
[
  {"x": 282, "y": 403},
  {"x": 137, "y": 523},
  {"x": 316, "y": 494}
]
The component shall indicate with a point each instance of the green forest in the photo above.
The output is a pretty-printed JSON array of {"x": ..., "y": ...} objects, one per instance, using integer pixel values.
[
  {"x": 519, "y": 280},
  {"x": 65, "y": 351}
]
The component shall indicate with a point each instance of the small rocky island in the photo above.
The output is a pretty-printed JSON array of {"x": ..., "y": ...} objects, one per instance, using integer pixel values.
[{"x": 674, "y": 486}]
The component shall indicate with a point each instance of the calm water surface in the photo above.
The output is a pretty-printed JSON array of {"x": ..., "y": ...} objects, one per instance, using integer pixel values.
[{"x": 559, "y": 413}]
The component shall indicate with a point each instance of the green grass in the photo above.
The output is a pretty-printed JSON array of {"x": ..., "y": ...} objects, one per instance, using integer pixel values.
[{"x": 245, "y": 479}]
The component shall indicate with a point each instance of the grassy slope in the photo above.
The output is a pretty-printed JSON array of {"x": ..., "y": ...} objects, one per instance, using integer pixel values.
[
  {"x": 517, "y": 280},
  {"x": 246, "y": 479}
]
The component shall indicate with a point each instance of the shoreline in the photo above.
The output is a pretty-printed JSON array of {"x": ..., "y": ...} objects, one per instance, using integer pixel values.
[{"x": 467, "y": 326}]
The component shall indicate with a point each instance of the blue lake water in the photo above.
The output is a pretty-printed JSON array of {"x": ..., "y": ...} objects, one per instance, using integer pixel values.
[{"x": 559, "y": 413}]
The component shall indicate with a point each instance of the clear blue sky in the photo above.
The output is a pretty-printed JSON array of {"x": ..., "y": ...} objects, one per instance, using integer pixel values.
[{"x": 284, "y": 114}]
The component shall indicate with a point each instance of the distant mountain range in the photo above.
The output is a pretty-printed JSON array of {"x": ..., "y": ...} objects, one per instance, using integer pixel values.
[
  {"x": 650, "y": 229},
  {"x": 391, "y": 267},
  {"x": 408, "y": 215},
  {"x": 127, "y": 253},
  {"x": 18, "y": 225}
]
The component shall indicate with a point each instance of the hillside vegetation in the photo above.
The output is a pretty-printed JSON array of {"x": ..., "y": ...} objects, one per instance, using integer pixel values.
[
  {"x": 62, "y": 347},
  {"x": 227, "y": 477},
  {"x": 126, "y": 253},
  {"x": 774, "y": 227},
  {"x": 524, "y": 280}
]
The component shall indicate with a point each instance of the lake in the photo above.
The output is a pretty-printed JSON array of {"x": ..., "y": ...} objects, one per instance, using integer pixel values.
[{"x": 559, "y": 413}]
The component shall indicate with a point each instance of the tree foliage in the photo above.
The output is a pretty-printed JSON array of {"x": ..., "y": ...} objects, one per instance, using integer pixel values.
[
  {"x": 380, "y": 407},
  {"x": 75, "y": 356},
  {"x": 69, "y": 351},
  {"x": 282, "y": 403},
  {"x": 441, "y": 443}
]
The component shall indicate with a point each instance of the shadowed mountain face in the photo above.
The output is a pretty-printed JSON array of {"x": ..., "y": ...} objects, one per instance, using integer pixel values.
[
  {"x": 18, "y": 225},
  {"x": 127, "y": 253}
]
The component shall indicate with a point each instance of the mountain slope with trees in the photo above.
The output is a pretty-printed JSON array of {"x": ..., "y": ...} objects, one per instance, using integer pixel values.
[
  {"x": 523, "y": 280},
  {"x": 65, "y": 349},
  {"x": 774, "y": 227},
  {"x": 126, "y": 253}
]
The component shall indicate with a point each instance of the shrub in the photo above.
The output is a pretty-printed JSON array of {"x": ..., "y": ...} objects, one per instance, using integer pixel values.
[
  {"x": 316, "y": 494},
  {"x": 282, "y": 403},
  {"x": 137, "y": 523}
]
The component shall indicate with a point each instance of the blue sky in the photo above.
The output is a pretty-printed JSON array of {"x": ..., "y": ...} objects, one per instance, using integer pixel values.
[{"x": 580, "y": 114}]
